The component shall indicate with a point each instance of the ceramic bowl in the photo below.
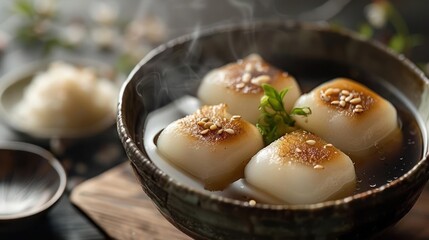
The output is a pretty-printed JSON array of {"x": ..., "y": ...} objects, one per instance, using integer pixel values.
[
  {"x": 32, "y": 180},
  {"x": 12, "y": 88},
  {"x": 314, "y": 52}
]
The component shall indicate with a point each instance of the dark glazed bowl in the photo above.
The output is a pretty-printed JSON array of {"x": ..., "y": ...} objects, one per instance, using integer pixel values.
[
  {"x": 31, "y": 181},
  {"x": 176, "y": 68}
]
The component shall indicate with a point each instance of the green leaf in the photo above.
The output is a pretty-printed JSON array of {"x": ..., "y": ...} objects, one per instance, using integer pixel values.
[
  {"x": 269, "y": 91},
  {"x": 366, "y": 31},
  {"x": 283, "y": 93},
  {"x": 305, "y": 111},
  {"x": 274, "y": 120},
  {"x": 24, "y": 7},
  {"x": 397, "y": 43}
]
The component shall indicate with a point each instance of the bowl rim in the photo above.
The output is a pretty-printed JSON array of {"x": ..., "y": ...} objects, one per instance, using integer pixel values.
[
  {"x": 26, "y": 73},
  {"x": 56, "y": 165},
  {"x": 175, "y": 186}
]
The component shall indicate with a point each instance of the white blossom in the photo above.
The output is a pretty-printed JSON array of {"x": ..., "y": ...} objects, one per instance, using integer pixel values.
[{"x": 376, "y": 14}]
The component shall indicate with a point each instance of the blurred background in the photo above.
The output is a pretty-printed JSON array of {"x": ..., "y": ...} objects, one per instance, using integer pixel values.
[{"x": 120, "y": 33}]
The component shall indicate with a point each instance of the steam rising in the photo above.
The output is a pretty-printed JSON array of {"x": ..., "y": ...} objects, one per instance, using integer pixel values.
[{"x": 196, "y": 17}]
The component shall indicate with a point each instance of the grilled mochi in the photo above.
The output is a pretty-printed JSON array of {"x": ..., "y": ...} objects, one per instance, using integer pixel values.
[
  {"x": 239, "y": 86},
  {"x": 211, "y": 144},
  {"x": 301, "y": 168},
  {"x": 349, "y": 115}
]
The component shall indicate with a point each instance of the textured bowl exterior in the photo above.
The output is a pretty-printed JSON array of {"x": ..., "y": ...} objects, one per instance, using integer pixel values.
[{"x": 205, "y": 216}]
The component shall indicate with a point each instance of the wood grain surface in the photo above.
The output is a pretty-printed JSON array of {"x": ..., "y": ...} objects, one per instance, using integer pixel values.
[{"x": 117, "y": 204}]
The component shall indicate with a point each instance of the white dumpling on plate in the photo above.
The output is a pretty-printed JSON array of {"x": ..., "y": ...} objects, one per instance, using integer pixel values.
[
  {"x": 301, "y": 168},
  {"x": 348, "y": 115},
  {"x": 239, "y": 86},
  {"x": 211, "y": 145}
]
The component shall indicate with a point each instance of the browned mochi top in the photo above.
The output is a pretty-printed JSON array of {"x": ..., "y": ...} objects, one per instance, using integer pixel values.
[
  {"x": 348, "y": 97},
  {"x": 247, "y": 75},
  {"x": 306, "y": 148},
  {"x": 212, "y": 124}
]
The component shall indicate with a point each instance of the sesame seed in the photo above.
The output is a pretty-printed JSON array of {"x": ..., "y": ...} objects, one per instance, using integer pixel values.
[
  {"x": 218, "y": 125},
  {"x": 252, "y": 202},
  {"x": 318, "y": 166},
  {"x": 342, "y": 98},
  {"x": 342, "y": 103},
  {"x": 205, "y": 119},
  {"x": 298, "y": 150},
  {"x": 205, "y": 131},
  {"x": 229, "y": 131},
  {"x": 248, "y": 67},
  {"x": 240, "y": 85},
  {"x": 356, "y": 100},
  {"x": 345, "y": 92},
  {"x": 236, "y": 117},
  {"x": 335, "y": 102},
  {"x": 220, "y": 131},
  {"x": 310, "y": 142},
  {"x": 349, "y": 97},
  {"x": 208, "y": 124},
  {"x": 259, "y": 67},
  {"x": 358, "y": 106},
  {"x": 330, "y": 91},
  {"x": 246, "y": 77},
  {"x": 327, "y": 145},
  {"x": 260, "y": 79},
  {"x": 201, "y": 123},
  {"x": 357, "y": 110},
  {"x": 213, "y": 127},
  {"x": 325, "y": 97}
]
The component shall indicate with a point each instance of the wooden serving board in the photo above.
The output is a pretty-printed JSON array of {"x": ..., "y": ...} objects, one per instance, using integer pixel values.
[{"x": 117, "y": 204}]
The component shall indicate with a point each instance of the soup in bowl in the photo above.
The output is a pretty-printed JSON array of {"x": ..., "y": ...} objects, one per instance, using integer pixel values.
[{"x": 164, "y": 87}]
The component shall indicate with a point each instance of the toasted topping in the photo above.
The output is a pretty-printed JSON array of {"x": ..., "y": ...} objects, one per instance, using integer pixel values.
[
  {"x": 236, "y": 117},
  {"x": 345, "y": 92},
  {"x": 305, "y": 148},
  {"x": 328, "y": 145},
  {"x": 249, "y": 67},
  {"x": 318, "y": 166},
  {"x": 240, "y": 85},
  {"x": 229, "y": 131},
  {"x": 330, "y": 91},
  {"x": 248, "y": 74},
  {"x": 213, "y": 123},
  {"x": 348, "y": 96},
  {"x": 356, "y": 100},
  {"x": 246, "y": 77},
  {"x": 260, "y": 80}
]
